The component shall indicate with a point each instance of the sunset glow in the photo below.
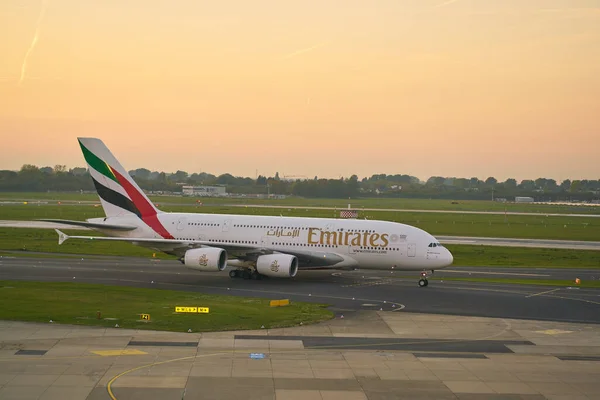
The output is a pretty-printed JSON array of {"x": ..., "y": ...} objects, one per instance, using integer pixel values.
[{"x": 463, "y": 88}]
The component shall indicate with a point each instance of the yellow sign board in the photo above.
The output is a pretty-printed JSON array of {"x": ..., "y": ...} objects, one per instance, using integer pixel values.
[
  {"x": 279, "y": 303},
  {"x": 199, "y": 310},
  {"x": 186, "y": 309},
  {"x": 145, "y": 317}
]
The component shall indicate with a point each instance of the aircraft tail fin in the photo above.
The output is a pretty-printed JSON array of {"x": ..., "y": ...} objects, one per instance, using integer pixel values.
[{"x": 119, "y": 194}]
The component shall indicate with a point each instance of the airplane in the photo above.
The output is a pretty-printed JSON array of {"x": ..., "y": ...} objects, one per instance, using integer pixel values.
[{"x": 255, "y": 247}]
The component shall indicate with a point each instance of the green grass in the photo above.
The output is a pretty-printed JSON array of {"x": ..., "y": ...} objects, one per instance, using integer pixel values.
[
  {"x": 43, "y": 196},
  {"x": 469, "y": 255},
  {"x": 76, "y": 303},
  {"x": 46, "y": 241},
  {"x": 33, "y": 211},
  {"x": 537, "y": 282},
  {"x": 403, "y": 203},
  {"x": 513, "y": 226}
]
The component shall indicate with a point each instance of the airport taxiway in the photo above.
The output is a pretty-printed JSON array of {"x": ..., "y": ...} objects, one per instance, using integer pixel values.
[
  {"x": 367, "y": 356},
  {"x": 345, "y": 291},
  {"x": 389, "y": 340}
]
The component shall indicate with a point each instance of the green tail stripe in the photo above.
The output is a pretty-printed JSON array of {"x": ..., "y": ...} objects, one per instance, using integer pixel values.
[{"x": 97, "y": 163}]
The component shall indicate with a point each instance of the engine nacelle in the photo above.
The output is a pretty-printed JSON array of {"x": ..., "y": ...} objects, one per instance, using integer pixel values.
[
  {"x": 277, "y": 265},
  {"x": 210, "y": 259}
]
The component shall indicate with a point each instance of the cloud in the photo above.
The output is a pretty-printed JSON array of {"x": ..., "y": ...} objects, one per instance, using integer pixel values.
[
  {"x": 582, "y": 12},
  {"x": 33, "y": 41},
  {"x": 444, "y": 4},
  {"x": 306, "y": 50}
]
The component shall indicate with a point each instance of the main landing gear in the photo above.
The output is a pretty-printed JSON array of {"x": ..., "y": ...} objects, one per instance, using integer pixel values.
[
  {"x": 423, "y": 281},
  {"x": 247, "y": 274}
]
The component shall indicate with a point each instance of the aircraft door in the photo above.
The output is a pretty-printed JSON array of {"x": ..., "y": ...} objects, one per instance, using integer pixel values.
[
  {"x": 412, "y": 249},
  {"x": 265, "y": 241},
  {"x": 226, "y": 225}
]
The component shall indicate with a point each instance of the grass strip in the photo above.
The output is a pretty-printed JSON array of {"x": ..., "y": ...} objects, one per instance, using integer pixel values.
[
  {"x": 79, "y": 303},
  {"x": 497, "y": 256}
]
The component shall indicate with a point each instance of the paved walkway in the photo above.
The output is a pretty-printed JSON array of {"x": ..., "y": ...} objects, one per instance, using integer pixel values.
[{"x": 369, "y": 355}]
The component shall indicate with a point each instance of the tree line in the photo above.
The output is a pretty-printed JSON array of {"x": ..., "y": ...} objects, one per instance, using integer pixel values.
[{"x": 31, "y": 178}]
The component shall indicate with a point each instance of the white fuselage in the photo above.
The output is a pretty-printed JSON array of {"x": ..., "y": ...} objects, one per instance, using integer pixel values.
[{"x": 363, "y": 244}]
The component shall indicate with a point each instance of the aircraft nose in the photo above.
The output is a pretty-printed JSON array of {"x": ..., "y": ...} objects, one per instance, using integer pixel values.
[{"x": 449, "y": 257}]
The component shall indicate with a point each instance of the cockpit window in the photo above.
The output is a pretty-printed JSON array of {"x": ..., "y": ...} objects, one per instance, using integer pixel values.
[{"x": 434, "y": 245}]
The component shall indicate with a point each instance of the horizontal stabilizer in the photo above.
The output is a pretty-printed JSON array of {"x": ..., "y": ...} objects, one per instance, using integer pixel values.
[
  {"x": 92, "y": 225},
  {"x": 61, "y": 237}
]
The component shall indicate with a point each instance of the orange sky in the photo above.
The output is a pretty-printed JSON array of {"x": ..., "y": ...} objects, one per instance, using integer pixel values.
[{"x": 504, "y": 88}]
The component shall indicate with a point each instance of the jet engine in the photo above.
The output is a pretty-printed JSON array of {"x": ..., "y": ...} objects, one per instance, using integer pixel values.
[
  {"x": 277, "y": 265},
  {"x": 209, "y": 259}
]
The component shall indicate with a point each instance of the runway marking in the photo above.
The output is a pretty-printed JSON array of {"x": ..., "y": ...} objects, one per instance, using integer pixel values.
[
  {"x": 358, "y": 346},
  {"x": 110, "y": 383},
  {"x": 374, "y": 283},
  {"x": 109, "y": 353},
  {"x": 553, "y": 332},
  {"x": 492, "y": 273},
  {"x": 483, "y": 289},
  {"x": 541, "y": 293},
  {"x": 575, "y": 299}
]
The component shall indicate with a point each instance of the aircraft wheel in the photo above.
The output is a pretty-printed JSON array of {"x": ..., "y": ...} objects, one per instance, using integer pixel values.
[
  {"x": 246, "y": 274},
  {"x": 423, "y": 282},
  {"x": 256, "y": 276},
  {"x": 233, "y": 273}
]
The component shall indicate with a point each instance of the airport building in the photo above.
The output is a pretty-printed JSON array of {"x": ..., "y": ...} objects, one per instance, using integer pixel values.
[
  {"x": 212, "y": 191},
  {"x": 523, "y": 199}
]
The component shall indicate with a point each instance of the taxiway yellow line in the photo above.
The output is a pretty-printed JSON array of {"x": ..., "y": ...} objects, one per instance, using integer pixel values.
[{"x": 541, "y": 293}]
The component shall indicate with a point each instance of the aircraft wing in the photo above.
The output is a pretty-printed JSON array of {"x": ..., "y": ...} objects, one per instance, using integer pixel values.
[
  {"x": 306, "y": 258},
  {"x": 92, "y": 225},
  {"x": 62, "y": 237}
]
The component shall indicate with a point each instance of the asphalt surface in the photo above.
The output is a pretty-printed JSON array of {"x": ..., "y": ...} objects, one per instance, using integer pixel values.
[
  {"x": 521, "y": 273},
  {"x": 344, "y": 291}
]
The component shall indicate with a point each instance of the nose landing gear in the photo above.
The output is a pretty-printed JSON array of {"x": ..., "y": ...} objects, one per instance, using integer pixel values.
[{"x": 423, "y": 281}]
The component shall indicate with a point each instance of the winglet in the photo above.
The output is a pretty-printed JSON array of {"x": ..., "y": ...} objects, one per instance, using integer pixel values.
[{"x": 61, "y": 237}]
